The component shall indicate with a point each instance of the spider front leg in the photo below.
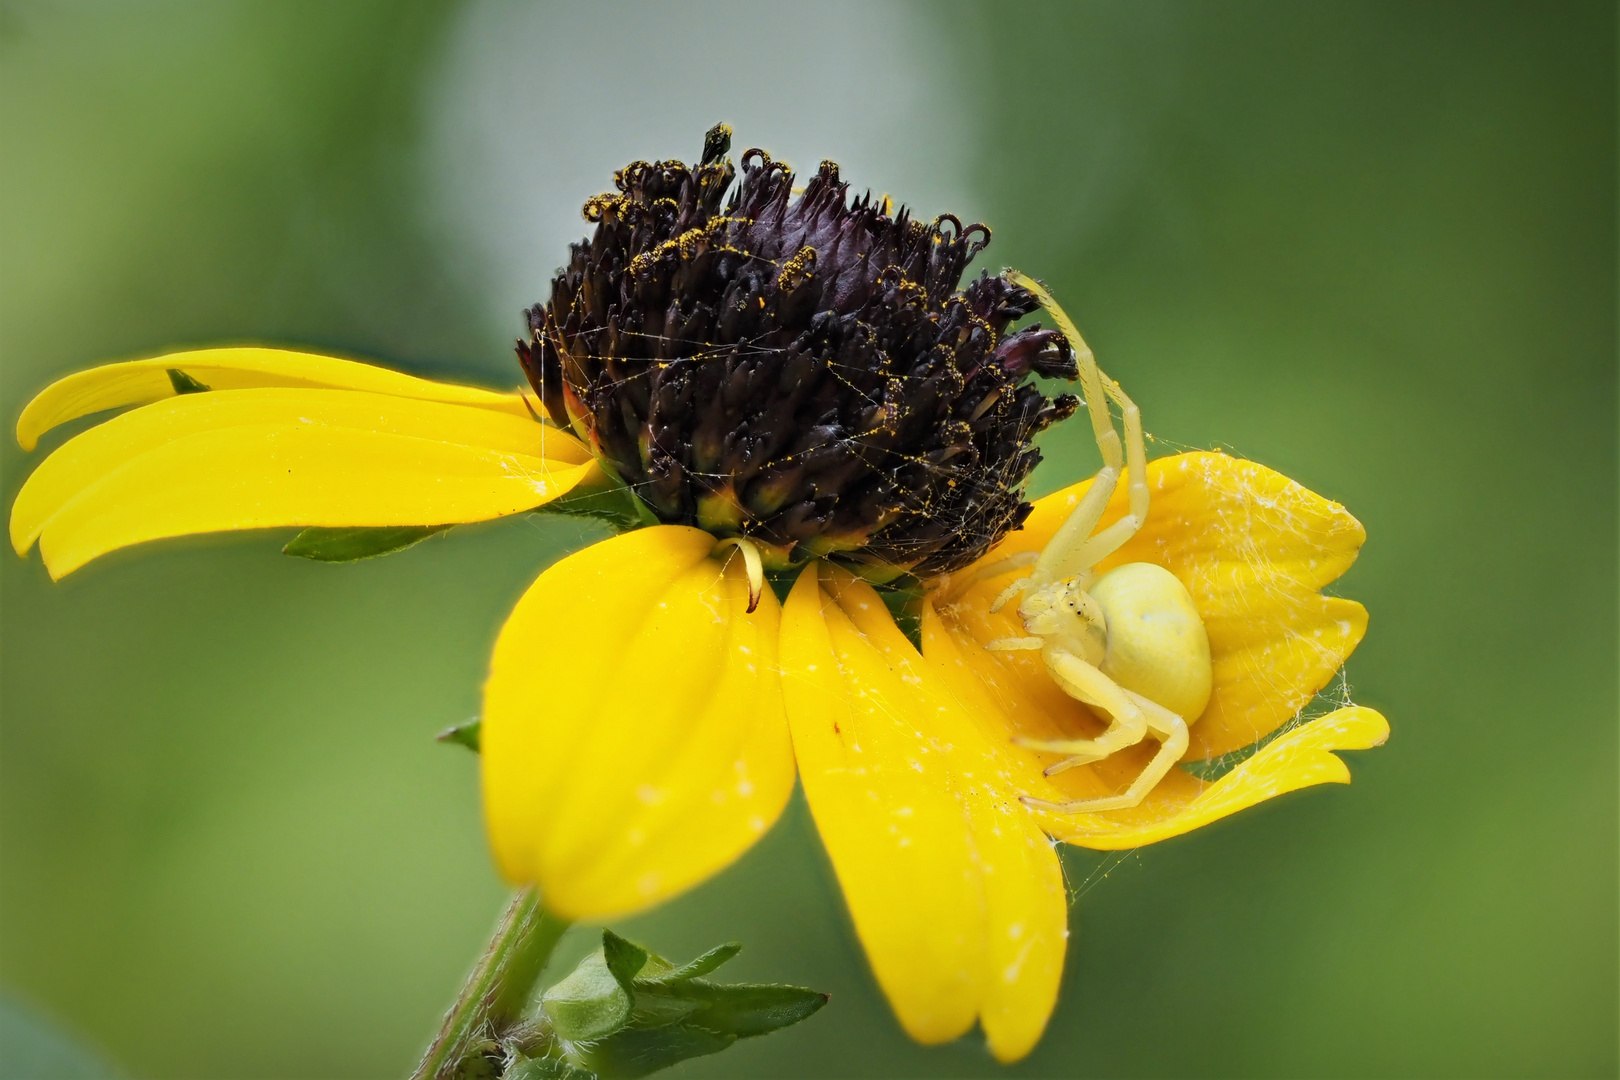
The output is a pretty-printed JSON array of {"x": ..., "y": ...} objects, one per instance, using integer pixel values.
[
  {"x": 1073, "y": 548},
  {"x": 1162, "y": 724},
  {"x": 957, "y": 587},
  {"x": 1004, "y": 597},
  {"x": 1128, "y": 723},
  {"x": 1111, "y": 539}
]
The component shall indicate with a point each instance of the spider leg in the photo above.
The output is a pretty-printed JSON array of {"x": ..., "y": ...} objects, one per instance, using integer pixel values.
[
  {"x": 1111, "y": 539},
  {"x": 1014, "y": 644},
  {"x": 1164, "y": 725},
  {"x": 1058, "y": 560},
  {"x": 955, "y": 588},
  {"x": 1127, "y": 726},
  {"x": 1008, "y": 593},
  {"x": 1135, "y": 448},
  {"x": 1102, "y": 423},
  {"x": 1069, "y": 550}
]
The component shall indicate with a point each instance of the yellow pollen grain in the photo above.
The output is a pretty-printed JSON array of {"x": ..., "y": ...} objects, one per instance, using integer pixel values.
[
  {"x": 597, "y": 205},
  {"x": 797, "y": 270}
]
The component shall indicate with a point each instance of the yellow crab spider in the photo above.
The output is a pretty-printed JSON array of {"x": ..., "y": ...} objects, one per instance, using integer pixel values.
[{"x": 1128, "y": 642}]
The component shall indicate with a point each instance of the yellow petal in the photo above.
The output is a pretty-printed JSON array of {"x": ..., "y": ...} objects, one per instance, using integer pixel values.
[
  {"x": 633, "y": 738},
  {"x": 136, "y": 382},
  {"x": 956, "y": 895},
  {"x": 102, "y": 450},
  {"x": 1253, "y": 548},
  {"x": 264, "y": 475},
  {"x": 1295, "y": 759}
]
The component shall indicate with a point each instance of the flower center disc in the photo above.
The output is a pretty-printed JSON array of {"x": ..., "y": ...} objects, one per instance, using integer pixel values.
[{"x": 801, "y": 371}]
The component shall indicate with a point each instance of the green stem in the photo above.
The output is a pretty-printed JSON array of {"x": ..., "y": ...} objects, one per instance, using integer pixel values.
[{"x": 494, "y": 994}]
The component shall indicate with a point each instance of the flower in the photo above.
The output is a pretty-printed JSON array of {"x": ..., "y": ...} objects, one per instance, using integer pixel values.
[{"x": 649, "y": 706}]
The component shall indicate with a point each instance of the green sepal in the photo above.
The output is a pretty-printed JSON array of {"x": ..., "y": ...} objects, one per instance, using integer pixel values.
[
  {"x": 903, "y": 597},
  {"x": 185, "y": 384},
  {"x": 589, "y": 1004},
  {"x": 465, "y": 734},
  {"x": 350, "y": 544},
  {"x": 625, "y": 959},
  {"x": 704, "y": 964},
  {"x": 629, "y": 962},
  {"x": 605, "y": 498},
  {"x": 781, "y": 582}
]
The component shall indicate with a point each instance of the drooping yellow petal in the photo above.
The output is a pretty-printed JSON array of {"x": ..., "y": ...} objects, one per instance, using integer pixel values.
[
  {"x": 956, "y": 895},
  {"x": 250, "y": 459},
  {"x": 1008, "y": 696},
  {"x": 266, "y": 475},
  {"x": 633, "y": 738},
  {"x": 136, "y": 382},
  {"x": 1253, "y": 548},
  {"x": 1296, "y": 759},
  {"x": 94, "y": 454}
]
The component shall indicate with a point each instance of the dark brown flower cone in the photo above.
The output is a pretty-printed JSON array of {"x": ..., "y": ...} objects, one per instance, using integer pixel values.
[{"x": 801, "y": 371}]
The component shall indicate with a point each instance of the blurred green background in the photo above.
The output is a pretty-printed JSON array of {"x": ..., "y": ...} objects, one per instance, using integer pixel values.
[{"x": 1372, "y": 245}]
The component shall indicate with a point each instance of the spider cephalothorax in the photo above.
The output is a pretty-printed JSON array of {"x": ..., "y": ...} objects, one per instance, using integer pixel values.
[{"x": 803, "y": 372}]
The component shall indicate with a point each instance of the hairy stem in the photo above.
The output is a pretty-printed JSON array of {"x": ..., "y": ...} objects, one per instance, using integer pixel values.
[{"x": 494, "y": 994}]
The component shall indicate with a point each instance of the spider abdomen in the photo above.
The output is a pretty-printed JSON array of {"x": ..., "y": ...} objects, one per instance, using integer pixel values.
[{"x": 1156, "y": 642}]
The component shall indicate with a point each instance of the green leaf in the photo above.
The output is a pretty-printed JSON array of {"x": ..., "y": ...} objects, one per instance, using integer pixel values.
[
  {"x": 704, "y": 964},
  {"x": 185, "y": 384},
  {"x": 464, "y": 734},
  {"x": 625, "y": 1011},
  {"x": 360, "y": 542},
  {"x": 636, "y": 1052},
  {"x": 746, "y": 1010},
  {"x": 589, "y": 1004}
]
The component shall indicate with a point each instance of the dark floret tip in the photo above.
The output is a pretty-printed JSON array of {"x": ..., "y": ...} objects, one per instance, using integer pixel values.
[{"x": 801, "y": 371}]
